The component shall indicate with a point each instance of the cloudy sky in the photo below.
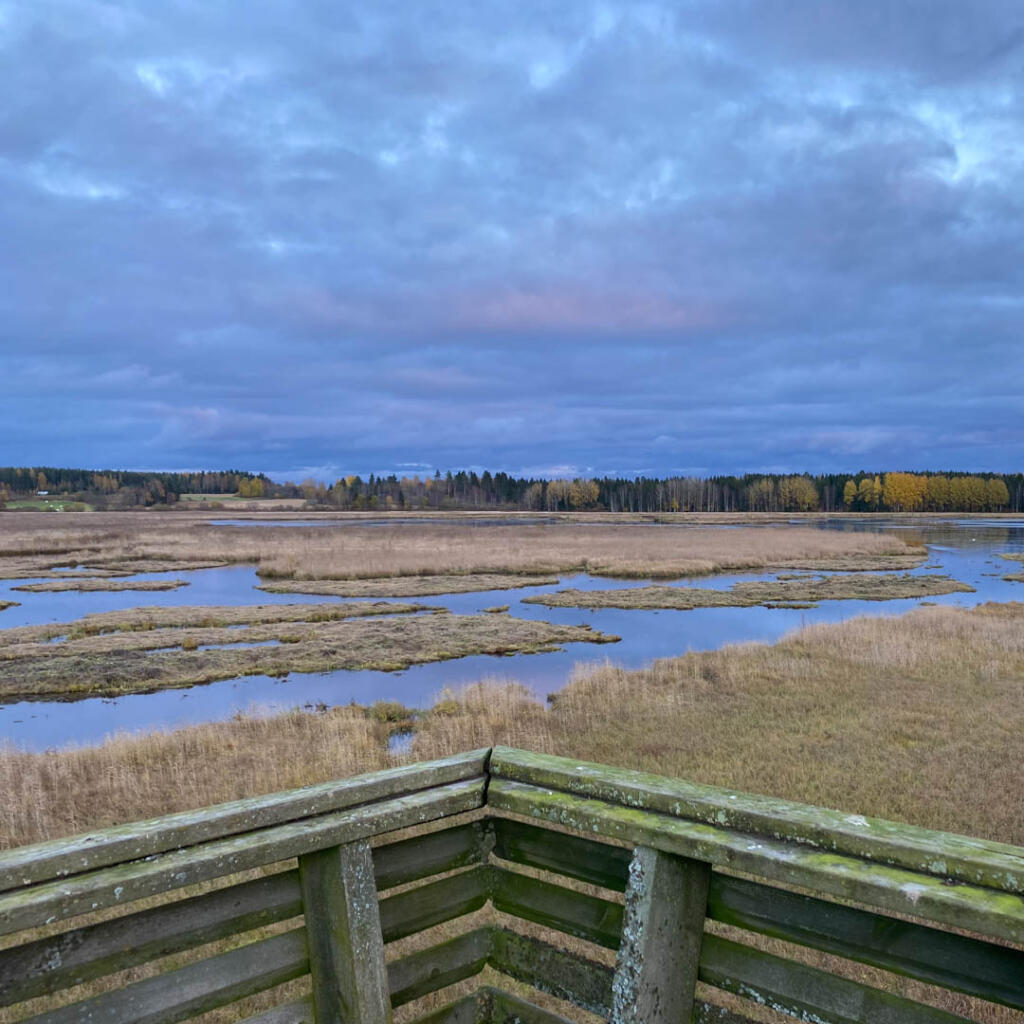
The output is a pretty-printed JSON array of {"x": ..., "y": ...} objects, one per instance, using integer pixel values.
[{"x": 549, "y": 237}]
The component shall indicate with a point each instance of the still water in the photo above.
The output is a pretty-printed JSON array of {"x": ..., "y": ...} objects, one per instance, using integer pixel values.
[{"x": 966, "y": 550}]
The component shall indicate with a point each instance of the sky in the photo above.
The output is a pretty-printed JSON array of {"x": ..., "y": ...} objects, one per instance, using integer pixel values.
[{"x": 314, "y": 237}]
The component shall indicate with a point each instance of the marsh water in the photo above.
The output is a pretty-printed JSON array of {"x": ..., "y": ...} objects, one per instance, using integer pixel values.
[{"x": 967, "y": 550}]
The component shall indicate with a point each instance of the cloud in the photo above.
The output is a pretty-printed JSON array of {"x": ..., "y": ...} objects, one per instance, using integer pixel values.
[{"x": 630, "y": 237}]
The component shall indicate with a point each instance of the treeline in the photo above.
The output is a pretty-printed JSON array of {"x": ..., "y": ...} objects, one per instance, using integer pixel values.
[
  {"x": 860, "y": 492},
  {"x": 110, "y": 488},
  {"x": 830, "y": 492}
]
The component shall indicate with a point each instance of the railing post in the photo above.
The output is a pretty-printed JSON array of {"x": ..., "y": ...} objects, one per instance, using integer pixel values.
[
  {"x": 346, "y": 948},
  {"x": 656, "y": 968}
]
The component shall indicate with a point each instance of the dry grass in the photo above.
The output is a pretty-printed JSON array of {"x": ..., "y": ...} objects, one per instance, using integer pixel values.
[
  {"x": 792, "y": 592},
  {"x": 31, "y": 545},
  {"x": 133, "y": 777},
  {"x": 918, "y": 718}
]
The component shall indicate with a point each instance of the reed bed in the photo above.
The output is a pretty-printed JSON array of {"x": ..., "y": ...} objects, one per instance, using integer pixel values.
[
  {"x": 916, "y": 718},
  {"x": 33, "y": 545},
  {"x": 131, "y": 776}
]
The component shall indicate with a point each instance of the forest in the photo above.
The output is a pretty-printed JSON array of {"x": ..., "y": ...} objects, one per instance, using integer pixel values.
[
  {"x": 115, "y": 489},
  {"x": 860, "y": 492},
  {"x": 467, "y": 490}
]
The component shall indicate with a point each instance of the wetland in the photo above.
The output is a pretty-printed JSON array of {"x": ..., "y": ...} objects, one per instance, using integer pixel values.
[{"x": 524, "y": 600}]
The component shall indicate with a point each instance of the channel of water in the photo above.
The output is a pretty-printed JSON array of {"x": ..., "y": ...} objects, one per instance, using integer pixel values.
[{"x": 965, "y": 549}]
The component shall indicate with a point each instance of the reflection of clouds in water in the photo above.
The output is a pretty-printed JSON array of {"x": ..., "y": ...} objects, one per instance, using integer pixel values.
[{"x": 965, "y": 550}]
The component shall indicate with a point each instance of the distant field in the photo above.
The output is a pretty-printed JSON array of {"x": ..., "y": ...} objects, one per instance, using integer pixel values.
[
  {"x": 238, "y": 503},
  {"x": 50, "y": 505}
]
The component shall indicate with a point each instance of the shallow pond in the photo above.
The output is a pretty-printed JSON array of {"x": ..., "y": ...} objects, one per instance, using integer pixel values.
[{"x": 966, "y": 550}]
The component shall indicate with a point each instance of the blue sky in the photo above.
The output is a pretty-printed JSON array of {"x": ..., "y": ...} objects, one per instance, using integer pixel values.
[{"x": 321, "y": 237}]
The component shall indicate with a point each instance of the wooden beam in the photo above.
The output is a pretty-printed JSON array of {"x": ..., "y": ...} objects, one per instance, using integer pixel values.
[
  {"x": 659, "y": 956},
  {"x": 346, "y": 947}
]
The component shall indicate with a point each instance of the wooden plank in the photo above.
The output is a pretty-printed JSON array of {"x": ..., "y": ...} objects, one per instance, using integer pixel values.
[
  {"x": 554, "y": 906},
  {"x": 427, "y": 905},
  {"x": 974, "y": 909},
  {"x": 409, "y": 860},
  {"x": 343, "y": 932},
  {"x": 54, "y": 901},
  {"x": 62, "y": 857},
  {"x": 197, "y": 988},
  {"x": 83, "y": 954},
  {"x": 975, "y": 861},
  {"x": 656, "y": 967},
  {"x": 806, "y": 992},
  {"x": 956, "y": 962},
  {"x": 564, "y": 975},
  {"x": 507, "y": 1009},
  {"x": 298, "y": 1012},
  {"x": 474, "y": 1009},
  {"x": 73, "y": 957},
  {"x": 710, "y": 1013},
  {"x": 439, "y": 966},
  {"x": 574, "y": 856},
  {"x": 953, "y": 961}
]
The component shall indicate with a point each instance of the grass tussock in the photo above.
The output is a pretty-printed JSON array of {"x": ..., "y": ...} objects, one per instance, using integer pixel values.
[
  {"x": 407, "y": 586},
  {"x": 789, "y": 592},
  {"x": 104, "y": 583},
  {"x": 30, "y": 545},
  {"x": 1013, "y": 556},
  {"x": 385, "y": 637},
  {"x": 155, "y": 617}
]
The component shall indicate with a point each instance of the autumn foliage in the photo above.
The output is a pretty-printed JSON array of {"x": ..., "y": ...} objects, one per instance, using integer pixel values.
[{"x": 916, "y": 492}]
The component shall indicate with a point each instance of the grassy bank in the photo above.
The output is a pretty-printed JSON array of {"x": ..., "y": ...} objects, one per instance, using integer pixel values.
[
  {"x": 801, "y": 592},
  {"x": 385, "y": 637},
  {"x": 31, "y": 546}
]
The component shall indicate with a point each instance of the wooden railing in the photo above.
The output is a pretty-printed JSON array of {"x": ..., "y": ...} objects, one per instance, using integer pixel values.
[{"x": 712, "y": 901}]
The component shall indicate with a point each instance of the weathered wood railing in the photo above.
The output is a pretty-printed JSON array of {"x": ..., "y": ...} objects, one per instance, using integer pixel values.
[{"x": 896, "y": 898}]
